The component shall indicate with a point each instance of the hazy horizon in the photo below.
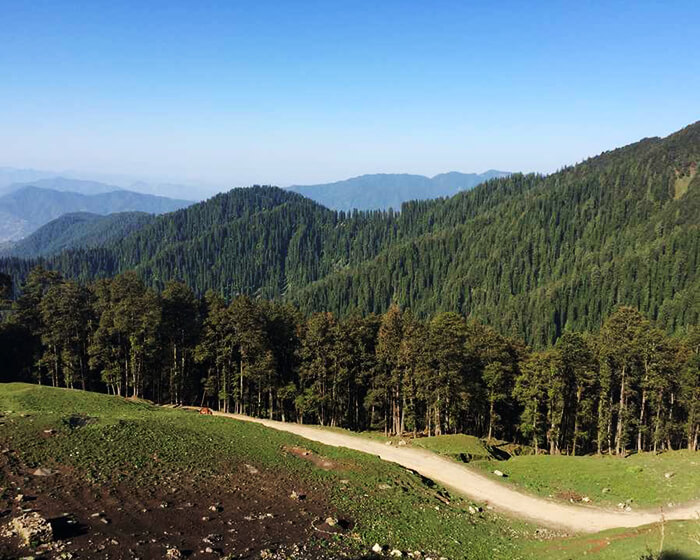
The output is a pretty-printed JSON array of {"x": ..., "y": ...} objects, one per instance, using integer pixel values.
[{"x": 231, "y": 95}]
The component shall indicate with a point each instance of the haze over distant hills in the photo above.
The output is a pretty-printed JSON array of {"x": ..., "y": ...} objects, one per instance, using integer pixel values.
[
  {"x": 63, "y": 184},
  {"x": 24, "y": 210},
  {"x": 381, "y": 191},
  {"x": 12, "y": 178}
]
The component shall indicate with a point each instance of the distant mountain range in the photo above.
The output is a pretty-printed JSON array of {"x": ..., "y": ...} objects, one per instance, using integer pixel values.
[
  {"x": 390, "y": 190},
  {"x": 63, "y": 184},
  {"x": 80, "y": 230},
  {"x": 25, "y": 209},
  {"x": 12, "y": 178}
]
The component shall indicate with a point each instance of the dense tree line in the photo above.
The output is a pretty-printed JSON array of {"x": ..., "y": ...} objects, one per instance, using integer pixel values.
[
  {"x": 628, "y": 387},
  {"x": 533, "y": 256}
]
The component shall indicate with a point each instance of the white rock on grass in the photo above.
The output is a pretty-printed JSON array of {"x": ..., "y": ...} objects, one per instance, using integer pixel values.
[
  {"x": 396, "y": 553},
  {"x": 377, "y": 548},
  {"x": 498, "y": 473}
]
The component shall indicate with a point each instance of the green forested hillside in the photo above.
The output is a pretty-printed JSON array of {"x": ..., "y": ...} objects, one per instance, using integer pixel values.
[
  {"x": 528, "y": 254},
  {"x": 79, "y": 229}
]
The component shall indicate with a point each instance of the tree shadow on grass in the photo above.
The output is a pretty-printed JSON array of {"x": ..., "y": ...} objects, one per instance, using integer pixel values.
[{"x": 675, "y": 555}]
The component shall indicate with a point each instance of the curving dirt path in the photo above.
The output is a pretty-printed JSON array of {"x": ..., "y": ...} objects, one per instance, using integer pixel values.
[{"x": 579, "y": 518}]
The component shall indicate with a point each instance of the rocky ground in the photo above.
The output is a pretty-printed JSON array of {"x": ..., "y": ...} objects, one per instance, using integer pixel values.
[{"x": 245, "y": 514}]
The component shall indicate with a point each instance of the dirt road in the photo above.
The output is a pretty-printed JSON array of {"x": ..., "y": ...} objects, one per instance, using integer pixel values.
[{"x": 482, "y": 488}]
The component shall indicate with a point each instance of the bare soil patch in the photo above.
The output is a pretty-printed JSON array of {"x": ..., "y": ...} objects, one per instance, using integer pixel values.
[
  {"x": 308, "y": 455},
  {"x": 241, "y": 513}
]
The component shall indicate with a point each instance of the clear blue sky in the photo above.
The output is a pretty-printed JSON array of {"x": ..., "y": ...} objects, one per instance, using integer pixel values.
[{"x": 284, "y": 92}]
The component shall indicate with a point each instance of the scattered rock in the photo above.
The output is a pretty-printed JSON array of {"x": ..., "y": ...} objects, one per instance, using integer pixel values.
[
  {"x": 474, "y": 509},
  {"x": 297, "y": 496},
  {"x": 209, "y": 550},
  {"x": 586, "y": 499},
  {"x": 331, "y": 521},
  {"x": 377, "y": 548},
  {"x": 212, "y": 539},
  {"x": 104, "y": 520},
  {"x": 388, "y": 443},
  {"x": 669, "y": 474},
  {"x": 606, "y": 490},
  {"x": 19, "y": 498},
  {"x": 173, "y": 554},
  {"x": 42, "y": 471},
  {"x": 402, "y": 442},
  {"x": 251, "y": 469},
  {"x": 216, "y": 508},
  {"x": 396, "y": 553},
  {"x": 498, "y": 473},
  {"x": 383, "y": 486},
  {"x": 50, "y": 432},
  {"x": 33, "y": 529}
]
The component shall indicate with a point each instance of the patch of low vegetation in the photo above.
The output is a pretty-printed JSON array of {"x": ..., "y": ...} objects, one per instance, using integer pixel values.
[
  {"x": 677, "y": 540},
  {"x": 640, "y": 480},
  {"x": 461, "y": 447}
]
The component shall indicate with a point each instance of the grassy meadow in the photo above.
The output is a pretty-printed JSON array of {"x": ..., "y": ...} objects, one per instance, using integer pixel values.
[{"x": 115, "y": 441}]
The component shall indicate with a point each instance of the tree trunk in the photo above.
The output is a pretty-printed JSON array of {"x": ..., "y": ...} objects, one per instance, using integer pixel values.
[
  {"x": 621, "y": 413},
  {"x": 579, "y": 393},
  {"x": 670, "y": 420},
  {"x": 657, "y": 422},
  {"x": 641, "y": 421},
  {"x": 241, "y": 408}
]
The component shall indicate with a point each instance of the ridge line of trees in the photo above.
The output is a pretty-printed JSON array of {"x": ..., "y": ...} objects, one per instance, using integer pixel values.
[{"x": 628, "y": 387}]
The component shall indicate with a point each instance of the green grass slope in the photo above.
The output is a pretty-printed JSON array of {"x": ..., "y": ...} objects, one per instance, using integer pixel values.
[
  {"x": 459, "y": 446},
  {"x": 639, "y": 480}
]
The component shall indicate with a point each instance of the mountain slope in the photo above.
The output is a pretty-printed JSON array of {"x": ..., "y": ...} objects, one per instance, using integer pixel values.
[
  {"x": 387, "y": 190},
  {"x": 78, "y": 230},
  {"x": 31, "y": 207},
  {"x": 559, "y": 255},
  {"x": 63, "y": 184},
  {"x": 532, "y": 255},
  {"x": 12, "y": 175}
]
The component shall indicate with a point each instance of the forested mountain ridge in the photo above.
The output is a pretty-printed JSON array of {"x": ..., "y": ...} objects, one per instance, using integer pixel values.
[
  {"x": 381, "y": 191},
  {"x": 610, "y": 230},
  {"x": 76, "y": 230},
  {"x": 530, "y": 255}
]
